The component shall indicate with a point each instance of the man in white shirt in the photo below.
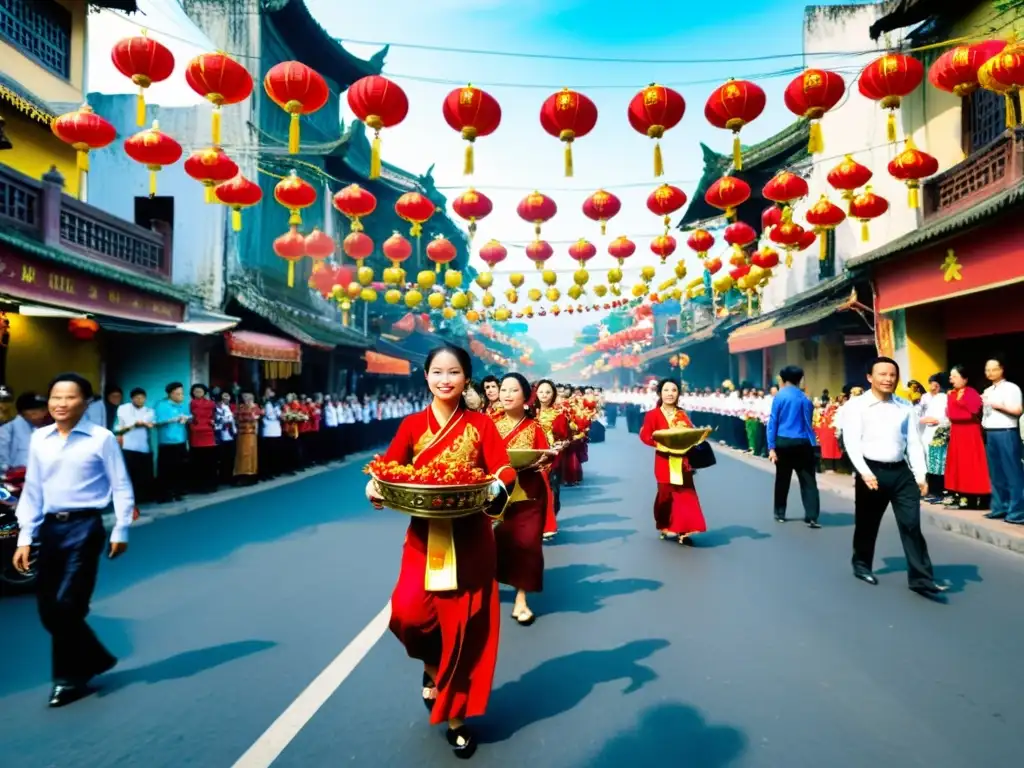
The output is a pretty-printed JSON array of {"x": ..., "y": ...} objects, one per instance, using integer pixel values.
[
  {"x": 1000, "y": 420},
  {"x": 16, "y": 434},
  {"x": 132, "y": 424},
  {"x": 883, "y": 441}
]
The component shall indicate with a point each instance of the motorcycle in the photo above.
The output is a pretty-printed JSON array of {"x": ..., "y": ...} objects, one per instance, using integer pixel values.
[{"x": 11, "y": 579}]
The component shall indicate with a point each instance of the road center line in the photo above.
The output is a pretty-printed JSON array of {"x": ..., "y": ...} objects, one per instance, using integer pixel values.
[{"x": 283, "y": 731}]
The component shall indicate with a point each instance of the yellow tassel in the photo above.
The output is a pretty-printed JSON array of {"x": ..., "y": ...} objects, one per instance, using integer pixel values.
[
  {"x": 913, "y": 198},
  {"x": 295, "y": 220},
  {"x": 293, "y": 134},
  {"x": 152, "y": 183},
  {"x": 416, "y": 230},
  {"x": 659, "y": 165},
  {"x": 215, "y": 125},
  {"x": 140, "y": 108},
  {"x": 437, "y": 267},
  {"x": 236, "y": 219},
  {"x": 467, "y": 166},
  {"x": 823, "y": 245},
  {"x": 1011, "y": 111},
  {"x": 291, "y": 274},
  {"x": 82, "y": 160},
  {"x": 816, "y": 141},
  {"x": 890, "y": 126},
  {"x": 375, "y": 157},
  {"x": 344, "y": 317},
  {"x": 865, "y": 233},
  {"x": 737, "y": 153},
  {"x": 209, "y": 195},
  {"x": 568, "y": 159}
]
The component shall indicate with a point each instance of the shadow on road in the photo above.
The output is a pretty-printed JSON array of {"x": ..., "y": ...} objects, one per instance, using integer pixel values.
[
  {"x": 582, "y": 521},
  {"x": 598, "y": 480},
  {"x": 720, "y": 537},
  {"x": 958, "y": 576},
  {"x": 836, "y": 519},
  {"x": 183, "y": 665},
  {"x": 558, "y": 685},
  {"x": 566, "y": 589},
  {"x": 664, "y": 734},
  {"x": 591, "y": 537}
]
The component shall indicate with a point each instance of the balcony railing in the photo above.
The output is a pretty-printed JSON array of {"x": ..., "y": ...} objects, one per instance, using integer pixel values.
[
  {"x": 42, "y": 210},
  {"x": 987, "y": 172}
]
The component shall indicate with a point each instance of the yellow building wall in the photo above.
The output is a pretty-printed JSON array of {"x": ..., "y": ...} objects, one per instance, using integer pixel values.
[
  {"x": 41, "y": 347},
  {"x": 820, "y": 357},
  {"x": 926, "y": 341},
  {"x": 42, "y": 82},
  {"x": 36, "y": 149}
]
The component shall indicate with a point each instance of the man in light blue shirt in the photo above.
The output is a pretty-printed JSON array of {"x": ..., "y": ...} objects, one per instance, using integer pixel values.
[
  {"x": 16, "y": 434},
  {"x": 75, "y": 471}
]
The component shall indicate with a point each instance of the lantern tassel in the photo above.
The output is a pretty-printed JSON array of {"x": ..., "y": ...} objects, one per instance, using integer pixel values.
[
  {"x": 152, "y": 183},
  {"x": 468, "y": 166},
  {"x": 816, "y": 140},
  {"x": 437, "y": 267},
  {"x": 295, "y": 220},
  {"x": 1011, "y": 111},
  {"x": 291, "y": 274},
  {"x": 375, "y": 157},
  {"x": 416, "y": 229},
  {"x": 140, "y": 108},
  {"x": 913, "y": 198},
  {"x": 823, "y": 245},
  {"x": 82, "y": 160},
  {"x": 659, "y": 165},
  {"x": 568, "y": 159},
  {"x": 865, "y": 233},
  {"x": 215, "y": 126},
  {"x": 890, "y": 126},
  {"x": 344, "y": 317},
  {"x": 236, "y": 219},
  {"x": 209, "y": 195},
  {"x": 737, "y": 153},
  {"x": 604, "y": 226},
  {"x": 293, "y": 134}
]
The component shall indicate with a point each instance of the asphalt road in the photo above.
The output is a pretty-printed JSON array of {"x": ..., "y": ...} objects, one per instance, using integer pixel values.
[{"x": 755, "y": 648}]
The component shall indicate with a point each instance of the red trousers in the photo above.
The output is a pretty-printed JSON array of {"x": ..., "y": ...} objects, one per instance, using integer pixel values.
[
  {"x": 677, "y": 509},
  {"x": 572, "y": 467},
  {"x": 457, "y": 631}
]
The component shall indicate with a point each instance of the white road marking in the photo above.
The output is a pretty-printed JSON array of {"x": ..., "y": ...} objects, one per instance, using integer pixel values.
[{"x": 283, "y": 731}]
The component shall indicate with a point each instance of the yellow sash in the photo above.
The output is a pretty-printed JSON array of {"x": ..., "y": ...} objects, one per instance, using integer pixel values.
[
  {"x": 441, "y": 574},
  {"x": 675, "y": 470}
]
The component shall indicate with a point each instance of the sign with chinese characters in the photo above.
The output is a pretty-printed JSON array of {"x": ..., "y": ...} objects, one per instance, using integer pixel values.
[{"x": 24, "y": 277}]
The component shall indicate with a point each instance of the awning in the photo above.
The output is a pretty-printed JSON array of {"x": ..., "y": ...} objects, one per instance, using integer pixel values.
[
  {"x": 200, "y": 322},
  {"x": 262, "y": 346},
  {"x": 385, "y": 364},
  {"x": 309, "y": 329},
  {"x": 773, "y": 332}
]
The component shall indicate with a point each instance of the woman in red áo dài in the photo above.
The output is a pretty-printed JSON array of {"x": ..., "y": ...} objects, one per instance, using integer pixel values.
[
  {"x": 967, "y": 477},
  {"x": 519, "y": 536},
  {"x": 450, "y": 620},
  {"x": 677, "y": 511},
  {"x": 553, "y": 421}
]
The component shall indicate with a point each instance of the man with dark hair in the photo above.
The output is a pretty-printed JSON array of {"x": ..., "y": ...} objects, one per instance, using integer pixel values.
[
  {"x": 883, "y": 442},
  {"x": 75, "y": 471},
  {"x": 791, "y": 444},
  {"x": 15, "y": 435}
]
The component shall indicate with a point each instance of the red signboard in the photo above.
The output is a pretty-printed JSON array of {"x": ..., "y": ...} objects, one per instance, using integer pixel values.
[
  {"x": 24, "y": 277},
  {"x": 260, "y": 346}
]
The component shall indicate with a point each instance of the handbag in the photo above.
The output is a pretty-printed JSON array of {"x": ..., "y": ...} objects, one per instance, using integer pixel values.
[{"x": 701, "y": 456}]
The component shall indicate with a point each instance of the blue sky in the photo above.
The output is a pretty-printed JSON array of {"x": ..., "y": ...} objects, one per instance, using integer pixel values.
[{"x": 520, "y": 156}]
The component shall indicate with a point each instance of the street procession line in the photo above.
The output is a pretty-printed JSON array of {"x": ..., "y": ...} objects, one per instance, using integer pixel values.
[{"x": 283, "y": 731}]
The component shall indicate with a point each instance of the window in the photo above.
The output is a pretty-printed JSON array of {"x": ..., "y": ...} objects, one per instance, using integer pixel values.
[
  {"x": 984, "y": 119},
  {"x": 40, "y": 29},
  {"x": 827, "y": 266}
]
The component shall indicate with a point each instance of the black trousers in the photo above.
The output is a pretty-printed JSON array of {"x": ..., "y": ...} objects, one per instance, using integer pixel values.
[
  {"x": 270, "y": 457},
  {"x": 896, "y": 486},
  {"x": 171, "y": 463},
  {"x": 555, "y": 479},
  {"x": 69, "y": 559},
  {"x": 140, "y": 470},
  {"x": 204, "y": 466},
  {"x": 796, "y": 456}
]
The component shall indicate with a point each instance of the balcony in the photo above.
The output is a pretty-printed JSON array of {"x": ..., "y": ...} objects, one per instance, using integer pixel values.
[
  {"x": 990, "y": 170},
  {"x": 42, "y": 210}
]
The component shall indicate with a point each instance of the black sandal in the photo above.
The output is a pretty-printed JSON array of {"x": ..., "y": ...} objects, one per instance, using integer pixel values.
[
  {"x": 462, "y": 742},
  {"x": 428, "y": 686}
]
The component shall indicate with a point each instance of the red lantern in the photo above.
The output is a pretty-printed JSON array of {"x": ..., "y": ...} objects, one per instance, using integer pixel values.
[
  {"x": 956, "y": 70},
  {"x": 887, "y": 80},
  {"x": 730, "y": 107},
  {"x": 663, "y": 246},
  {"x": 294, "y": 193},
  {"x": 727, "y": 194},
  {"x": 441, "y": 251},
  {"x": 84, "y": 130},
  {"x": 538, "y": 252},
  {"x": 582, "y": 251},
  {"x": 355, "y": 202},
  {"x": 653, "y": 111},
  {"x": 323, "y": 279},
  {"x": 319, "y": 245},
  {"x": 237, "y": 194},
  {"x": 472, "y": 206},
  {"x": 298, "y": 90},
  {"x": 416, "y": 209},
  {"x": 474, "y": 113},
  {"x": 291, "y": 247},
  {"x": 770, "y": 217},
  {"x": 910, "y": 166},
  {"x": 1004, "y": 74},
  {"x": 144, "y": 61},
  {"x": 358, "y": 246},
  {"x": 621, "y": 248},
  {"x": 493, "y": 253},
  {"x": 154, "y": 149},
  {"x": 766, "y": 258},
  {"x": 806, "y": 240},
  {"x": 865, "y": 207},
  {"x": 601, "y": 206},
  {"x": 785, "y": 188},
  {"x": 701, "y": 241},
  {"x": 810, "y": 96},
  {"x": 210, "y": 167},
  {"x": 739, "y": 235},
  {"x": 712, "y": 265},
  {"x": 568, "y": 115},
  {"x": 536, "y": 208},
  {"x": 824, "y": 216},
  {"x": 664, "y": 201},
  {"x": 220, "y": 80},
  {"x": 739, "y": 271},
  {"x": 849, "y": 176},
  {"x": 788, "y": 233},
  {"x": 83, "y": 328},
  {"x": 397, "y": 249},
  {"x": 380, "y": 103}
]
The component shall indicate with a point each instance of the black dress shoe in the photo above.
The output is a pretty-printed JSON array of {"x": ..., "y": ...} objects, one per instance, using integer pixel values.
[
  {"x": 866, "y": 577},
  {"x": 780, "y": 519},
  {"x": 462, "y": 742},
  {"x": 930, "y": 590},
  {"x": 813, "y": 524},
  {"x": 62, "y": 695}
]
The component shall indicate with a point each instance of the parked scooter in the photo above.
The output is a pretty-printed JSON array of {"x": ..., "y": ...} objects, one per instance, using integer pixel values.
[{"x": 11, "y": 579}]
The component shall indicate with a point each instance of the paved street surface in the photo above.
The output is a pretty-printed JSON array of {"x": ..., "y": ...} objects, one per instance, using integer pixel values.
[{"x": 755, "y": 648}]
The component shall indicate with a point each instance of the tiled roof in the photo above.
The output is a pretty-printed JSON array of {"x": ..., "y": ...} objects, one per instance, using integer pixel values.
[
  {"x": 303, "y": 326},
  {"x": 22, "y": 99}
]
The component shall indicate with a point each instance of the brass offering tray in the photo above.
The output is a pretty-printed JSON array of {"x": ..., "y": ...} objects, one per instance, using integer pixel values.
[
  {"x": 679, "y": 440},
  {"x": 437, "y": 502},
  {"x": 526, "y": 458}
]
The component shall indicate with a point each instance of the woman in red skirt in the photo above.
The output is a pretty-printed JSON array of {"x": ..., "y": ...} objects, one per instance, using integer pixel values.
[
  {"x": 677, "y": 512},
  {"x": 552, "y": 419},
  {"x": 519, "y": 536},
  {"x": 967, "y": 478}
]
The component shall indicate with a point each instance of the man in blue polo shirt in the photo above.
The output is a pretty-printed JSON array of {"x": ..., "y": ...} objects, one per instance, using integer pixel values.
[{"x": 791, "y": 445}]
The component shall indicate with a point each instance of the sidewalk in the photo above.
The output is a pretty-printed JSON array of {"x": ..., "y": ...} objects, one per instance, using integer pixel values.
[{"x": 969, "y": 523}]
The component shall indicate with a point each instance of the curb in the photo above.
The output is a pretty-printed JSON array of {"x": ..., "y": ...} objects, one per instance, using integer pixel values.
[{"x": 965, "y": 523}]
